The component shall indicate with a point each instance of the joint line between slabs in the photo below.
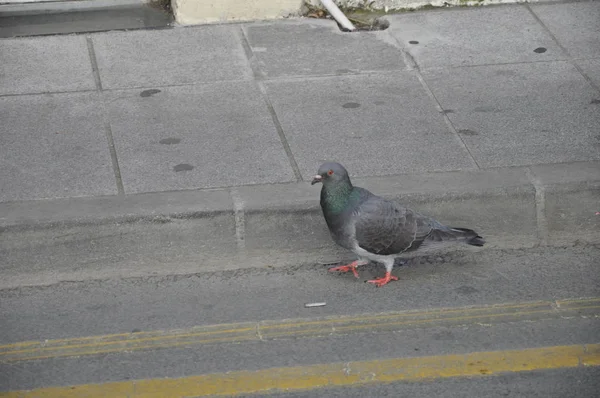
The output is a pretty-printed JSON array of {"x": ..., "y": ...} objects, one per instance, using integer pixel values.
[
  {"x": 413, "y": 66},
  {"x": 250, "y": 56},
  {"x": 281, "y": 133},
  {"x": 259, "y": 77},
  {"x": 540, "y": 206},
  {"x": 94, "y": 62},
  {"x": 107, "y": 128},
  {"x": 409, "y": 60},
  {"x": 445, "y": 116}
]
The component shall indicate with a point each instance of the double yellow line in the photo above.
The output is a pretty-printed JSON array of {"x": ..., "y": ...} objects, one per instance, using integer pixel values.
[
  {"x": 297, "y": 328},
  {"x": 323, "y": 375}
]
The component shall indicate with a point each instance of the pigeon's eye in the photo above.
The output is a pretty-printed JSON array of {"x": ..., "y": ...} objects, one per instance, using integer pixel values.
[{"x": 330, "y": 172}]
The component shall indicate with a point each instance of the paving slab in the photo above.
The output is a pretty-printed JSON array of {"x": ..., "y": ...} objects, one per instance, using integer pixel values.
[
  {"x": 374, "y": 125},
  {"x": 173, "y": 56},
  {"x": 45, "y": 64},
  {"x": 591, "y": 67},
  {"x": 474, "y": 37},
  {"x": 317, "y": 47},
  {"x": 575, "y": 25},
  {"x": 521, "y": 114},
  {"x": 201, "y": 136},
  {"x": 52, "y": 146}
]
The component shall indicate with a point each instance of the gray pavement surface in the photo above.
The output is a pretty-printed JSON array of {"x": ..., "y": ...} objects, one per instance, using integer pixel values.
[
  {"x": 186, "y": 147},
  {"x": 468, "y": 125},
  {"x": 469, "y": 95},
  {"x": 498, "y": 108},
  {"x": 44, "y": 65},
  {"x": 574, "y": 25},
  {"x": 148, "y": 58},
  {"x": 459, "y": 39},
  {"x": 67, "y": 157},
  {"x": 317, "y": 47},
  {"x": 158, "y": 179},
  {"x": 351, "y": 118}
]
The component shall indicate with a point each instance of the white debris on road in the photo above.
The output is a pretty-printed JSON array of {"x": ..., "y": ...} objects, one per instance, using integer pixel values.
[{"x": 309, "y": 305}]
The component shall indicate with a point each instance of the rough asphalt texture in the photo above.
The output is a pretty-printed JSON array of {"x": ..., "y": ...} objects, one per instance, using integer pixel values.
[{"x": 74, "y": 309}]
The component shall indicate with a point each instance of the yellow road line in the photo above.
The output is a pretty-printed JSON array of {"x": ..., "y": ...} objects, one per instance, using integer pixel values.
[
  {"x": 303, "y": 322},
  {"x": 268, "y": 330},
  {"x": 331, "y": 375}
]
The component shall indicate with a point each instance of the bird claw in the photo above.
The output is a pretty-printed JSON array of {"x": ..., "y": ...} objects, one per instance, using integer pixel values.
[
  {"x": 345, "y": 268},
  {"x": 383, "y": 281}
]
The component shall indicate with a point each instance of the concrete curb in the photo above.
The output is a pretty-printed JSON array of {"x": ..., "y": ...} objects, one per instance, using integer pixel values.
[
  {"x": 184, "y": 232},
  {"x": 26, "y": 8}
]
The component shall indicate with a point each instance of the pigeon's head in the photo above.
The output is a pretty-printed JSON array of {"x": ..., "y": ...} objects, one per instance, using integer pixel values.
[{"x": 330, "y": 173}]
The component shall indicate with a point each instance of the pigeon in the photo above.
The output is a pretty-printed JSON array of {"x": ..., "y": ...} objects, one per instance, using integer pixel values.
[{"x": 379, "y": 230}]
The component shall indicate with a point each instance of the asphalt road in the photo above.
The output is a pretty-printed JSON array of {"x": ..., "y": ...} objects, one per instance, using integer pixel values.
[{"x": 77, "y": 309}]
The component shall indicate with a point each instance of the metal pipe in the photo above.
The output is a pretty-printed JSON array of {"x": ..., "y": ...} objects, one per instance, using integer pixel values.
[{"x": 338, "y": 15}]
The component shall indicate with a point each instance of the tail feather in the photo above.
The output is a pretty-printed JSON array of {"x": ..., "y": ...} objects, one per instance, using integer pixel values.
[{"x": 472, "y": 237}]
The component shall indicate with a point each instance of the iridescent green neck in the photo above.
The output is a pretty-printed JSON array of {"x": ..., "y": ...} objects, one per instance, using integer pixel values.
[{"x": 337, "y": 197}]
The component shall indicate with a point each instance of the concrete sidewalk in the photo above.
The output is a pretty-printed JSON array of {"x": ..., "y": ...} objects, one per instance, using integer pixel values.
[{"x": 190, "y": 149}]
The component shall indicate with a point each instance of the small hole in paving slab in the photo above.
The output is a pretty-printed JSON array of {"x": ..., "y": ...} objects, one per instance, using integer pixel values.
[
  {"x": 183, "y": 167},
  {"x": 540, "y": 50},
  {"x": 170, "y": 141},
  {"x": 351, "y": 105},
  {"x": 367, "y": 25},
  {"x": 413, "y": 42},
  {"x": 149, "y": 93},
  {"x": 468, "y": 132},
  {"x": 466, "y": 290}
]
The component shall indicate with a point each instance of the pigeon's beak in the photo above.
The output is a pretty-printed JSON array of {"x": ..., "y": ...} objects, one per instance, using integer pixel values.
[{"x": 316, "y": 179}]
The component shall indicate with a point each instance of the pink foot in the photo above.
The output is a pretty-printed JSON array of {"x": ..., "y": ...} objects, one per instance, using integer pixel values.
[
  {"x": 346, "y": 268},
  {"x": 383, "y": 281}
]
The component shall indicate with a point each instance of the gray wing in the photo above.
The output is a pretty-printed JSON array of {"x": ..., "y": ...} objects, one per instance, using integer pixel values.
[{"x": 384, "y": 227}]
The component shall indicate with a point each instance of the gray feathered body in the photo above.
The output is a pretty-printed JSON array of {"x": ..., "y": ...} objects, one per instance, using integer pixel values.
[{"x": 378, "y": 229}]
